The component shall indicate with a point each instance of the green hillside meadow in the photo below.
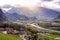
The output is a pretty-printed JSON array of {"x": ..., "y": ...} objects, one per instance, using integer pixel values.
[{"x": 9, "y": 37}]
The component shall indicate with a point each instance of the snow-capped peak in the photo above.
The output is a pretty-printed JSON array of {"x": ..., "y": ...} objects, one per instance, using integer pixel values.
[{"x": 6, "y": 9}]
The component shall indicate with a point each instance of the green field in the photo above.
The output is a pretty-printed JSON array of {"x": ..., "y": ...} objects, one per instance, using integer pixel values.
[
  {"x": 48, "y": 36},
  {"x": 9, "y": 37}
]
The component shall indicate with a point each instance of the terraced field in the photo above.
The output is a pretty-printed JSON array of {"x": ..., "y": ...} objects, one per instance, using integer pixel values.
[{"x": 9, "y": 37}]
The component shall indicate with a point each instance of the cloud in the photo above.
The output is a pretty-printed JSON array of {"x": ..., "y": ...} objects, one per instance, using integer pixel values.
[
  {"x": 52, "y": 4},
  {"x": 47, "y": 0},
  {"x": 20, "y": 2},
  {"x": 55, "y": 5}
]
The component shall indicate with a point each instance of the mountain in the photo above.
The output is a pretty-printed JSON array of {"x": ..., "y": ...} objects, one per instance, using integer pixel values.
[
  {"x": 9, "y": 9},
  {"x": 15, "y": 17},
  {"x": 2, "y": 16},
  {"x": 13, "y": 14},
  {"x": 57, "y": 18},
  {"x": 45, "y": 13},
  {"x": 42, "y": 13},
  {"x": 32, "y": 18}
]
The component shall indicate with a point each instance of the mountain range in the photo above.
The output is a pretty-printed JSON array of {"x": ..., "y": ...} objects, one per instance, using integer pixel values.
[{"x": 23, "y": 14}]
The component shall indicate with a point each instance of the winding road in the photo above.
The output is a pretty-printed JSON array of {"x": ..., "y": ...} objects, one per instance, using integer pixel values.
[{"x": 45, "y": 29}]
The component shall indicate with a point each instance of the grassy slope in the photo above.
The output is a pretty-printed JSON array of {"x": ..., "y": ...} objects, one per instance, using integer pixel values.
[
  {"x": 9, "y": 37},
  {"x": 49, "y": 36}
]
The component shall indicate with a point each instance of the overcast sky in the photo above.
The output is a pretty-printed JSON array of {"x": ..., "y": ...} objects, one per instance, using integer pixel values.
[{"x": 52, "y": 4}]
